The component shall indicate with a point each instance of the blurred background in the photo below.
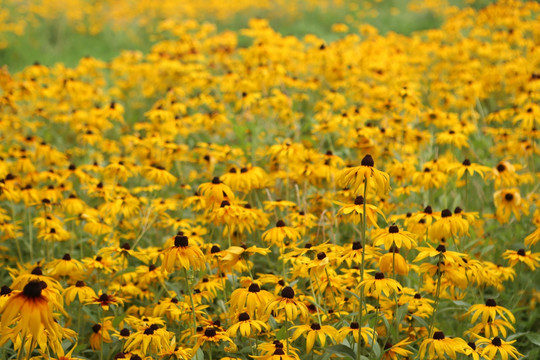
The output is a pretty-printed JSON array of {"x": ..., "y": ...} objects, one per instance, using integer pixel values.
[{"x": 50, "y": 31}]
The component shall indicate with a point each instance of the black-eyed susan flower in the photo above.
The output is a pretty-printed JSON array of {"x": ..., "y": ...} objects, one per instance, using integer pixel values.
[
  {"x": 254, "y": 299},
  {"x": 80, "y": 291},
  {"x": 355, "y": 177},
  {"x": 276, "y": 235},
  {"x": 101, "y": 334},
  {"x": 183, "y": 254},
  {"x": 448, "y": 226},
  {"x": 379, "y": 286},
  {"x": 366, "y": 333},
  {"x": 394, "y": 236},
  {"x": 356, "y": 211},
  {"x": 507, "y": 202},
  {"x": 532, "y": 260},
  {"x": 440, "y": 346},
  {"x": 105, "y": 300},
  {"x": 66, "y": 266},
  {"x": 393, "y": 262},
  {"x": 246, "y": 325},
  {"x": 489, "y": 311},
  {"x": 214, "y": 335},
  {"x": 151, "y": 339},
  {"x": 313, "y": 332},
  {"x": 215, "y": 192},
  {"x": 496, "y": 345},
  {"x": 29, "y": 311},
  {"x": 288, "y": 304},
  {"x": 397, "y": 350}
]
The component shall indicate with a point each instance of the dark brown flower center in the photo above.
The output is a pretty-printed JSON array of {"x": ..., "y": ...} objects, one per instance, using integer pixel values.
[
  {"x": 441, "y": 248},
  {"x": 367, "y": 161},
  {"x": 33, "y": 289},
  {"x": 254, "y": 288},
  {"x": 446, "y": 213},
  {"x": 279, "y": 351},
  {"x": 356, "y": 245},
  {"x": 280, "y": 223},
  {"x": 243, "y": 317},
  {"x": 496, "y": 341},
  {"x": 287, "y": 292},
  {"x": 215, "y": 249},
  {"x": 125, "y": 246},
  {"x": 181, "y": 241},
  {"x": 96, "y": 328},
  {"x": 509, "y": 197},
  {"x": 521, "y": 252},
  {"x": 458, "y": 210},
  {"x": 359, "y": 200},
  {"x": 5, "y": 290},
  {"x": 491, "y": 303},
  {"x": 37, "y": 271},
  {"x": 354, "y": 325},
  {"x": 466, "y": 162},
  {"x": 210, "y": 332},
  {"x": 439, "y": 335},
  {"x": 79, "y": 283},
  {"x": 428, "y": 210},
  {"x": 501, "y": 167},
  {"x": 66, "y": 257},
  {"x": 125, "y": 332},
  {"x": 315, "y": 326},
  {"x": 379, "y": 276},
  {"x": 321, "y": 255},
  {"x": 393, "y": 229}
]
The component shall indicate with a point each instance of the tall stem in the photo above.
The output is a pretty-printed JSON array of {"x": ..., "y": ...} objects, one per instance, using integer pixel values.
[
  {"x": 192, "y": 303},
  {"x": 362, "y": 266},
  {"x": 437, "y": 296}
]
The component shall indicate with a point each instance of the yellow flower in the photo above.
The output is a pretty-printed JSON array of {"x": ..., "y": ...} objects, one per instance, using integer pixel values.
[
  {"x": 276, "y": 235},
  {"x": 253, "y": 298},
  {"x": 158, "y": 174},
  {"x": 393, "y": 236},
  {"x": 314, "y": 331},
  {"x": 489, "y": 311},
  {"x": 379, "y": 285},
  {"x": 81, "y": 291},
  {"x": 213, "y": 334},
  {"x": 527, "y": 257},
  {"x": 393, "y": 257},
  {"x": 288, "y": 304},
  {"x": 30, "y": 311},
  {"x": 246, "y": 325},
  {"x": 507, "y": 202},
  {"x": 354, "y": 178},
  {"x": 184, "y": 254},
  {"x": 151, "y": 339},
  {"x": 439, "y": 347},
  {"x": 497, "y": 345},
  {"x": 356, "y": 211}
]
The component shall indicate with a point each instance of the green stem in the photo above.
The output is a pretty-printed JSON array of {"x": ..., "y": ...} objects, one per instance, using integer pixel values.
[
  {"x": 437, "y": 296},
  {"x": 192, "y": 303},
  {"x": 362, "y": 266}
]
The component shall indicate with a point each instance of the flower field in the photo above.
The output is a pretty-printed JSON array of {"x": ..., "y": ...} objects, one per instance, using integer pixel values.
[{"x": 269, "y": 180}]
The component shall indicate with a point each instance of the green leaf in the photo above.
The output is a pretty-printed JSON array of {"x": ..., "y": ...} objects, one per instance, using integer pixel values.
[
  {"x": 352, "y": 294},
  {"x": 377, "y": 350},
  {"x": 515, "y": 336},
  {"x": 534, "y": 338},
  {"x": 342, "y": 350},
  {"x": 401, "y": 312},
  {"x": 282, "y": 333},
  {"x": 421, "y": 321},
  {"x": 462, "y": 303},
  {"x": 199, "y": 355},
  {"x": 117, "y": 320}
]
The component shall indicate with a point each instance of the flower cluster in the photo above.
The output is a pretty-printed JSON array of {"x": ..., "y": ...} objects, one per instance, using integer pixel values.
[{"x": 371, "y": 197}]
